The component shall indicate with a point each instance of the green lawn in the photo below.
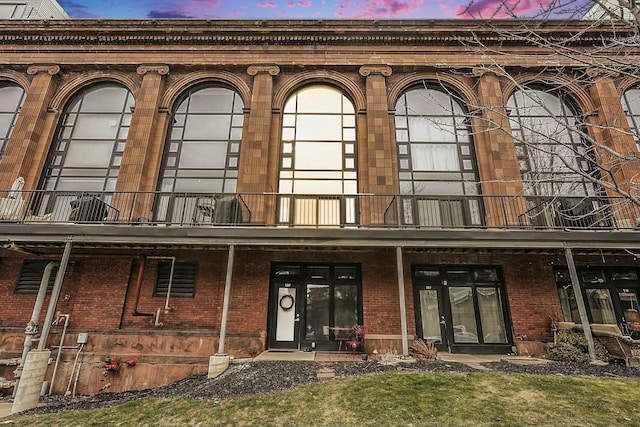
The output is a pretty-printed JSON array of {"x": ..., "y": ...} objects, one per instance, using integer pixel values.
[{"x": 390, "y": 399}]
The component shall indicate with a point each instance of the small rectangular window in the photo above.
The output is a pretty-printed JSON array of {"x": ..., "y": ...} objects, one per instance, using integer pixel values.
[
  {"x": 31, "y": 275},
  {"x": 183, "y": 281}
]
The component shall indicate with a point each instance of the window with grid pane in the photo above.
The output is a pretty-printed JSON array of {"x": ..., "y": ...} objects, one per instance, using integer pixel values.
[
  {"x": 546, "y": 129},
  {"x": 11, "y": 99},
  {"x": 631, "y": 105}
]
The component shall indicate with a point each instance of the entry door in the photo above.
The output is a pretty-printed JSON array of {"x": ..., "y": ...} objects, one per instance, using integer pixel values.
[
  {"x": 433, "y": 324},
  {"x": 287, "y": 306}
]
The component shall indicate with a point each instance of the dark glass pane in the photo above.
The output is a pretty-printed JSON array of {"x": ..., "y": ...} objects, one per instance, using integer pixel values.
[
  {"x": 344, "y": 273},
  {"x": 287, "y": 270},
  {"x": 485, "y": 275},
  {"x": 593, "y": 276},
  {"x": 317, "y": 312},
  {"x": 624, "y": 275},
  {"x": 318, "y": 272},
  {"x": 346, "y": 305}
]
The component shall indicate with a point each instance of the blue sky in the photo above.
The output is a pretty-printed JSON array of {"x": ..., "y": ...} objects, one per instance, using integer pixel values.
[{"x": 298, "y": 9}]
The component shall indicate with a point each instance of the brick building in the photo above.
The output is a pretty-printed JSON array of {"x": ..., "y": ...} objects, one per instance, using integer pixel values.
[{"x": 199, "y": 187}]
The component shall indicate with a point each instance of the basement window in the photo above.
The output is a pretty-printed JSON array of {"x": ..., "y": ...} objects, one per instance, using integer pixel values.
[
  {"x": 31, "y": 275},
  {"x": 183, "y": 284}
]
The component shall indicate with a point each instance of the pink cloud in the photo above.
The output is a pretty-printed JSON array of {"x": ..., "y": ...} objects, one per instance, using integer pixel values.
[
  {"x": 368, "y": 9},
  {"x": 268, "y": 4},
  {"x": 292, "y": 4},
  {"x": 500, "y": 8}
]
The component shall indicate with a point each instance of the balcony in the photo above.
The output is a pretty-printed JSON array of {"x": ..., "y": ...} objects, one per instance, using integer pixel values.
[{"x": 317, "y": 211}]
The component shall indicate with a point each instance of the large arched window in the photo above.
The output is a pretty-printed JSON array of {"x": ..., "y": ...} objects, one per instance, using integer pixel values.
[
  {"x": 201, "y": 154},
  {"x": 86, "y": 153},
  {"x": 546, "y": 129},
  {"x": 11, "y": 99},
  {"x": 318, "y": 158},
  {"x": 553, "y": 158},
  {"x": 437, "y": 169},
  {"x": 631, "y": 105}
]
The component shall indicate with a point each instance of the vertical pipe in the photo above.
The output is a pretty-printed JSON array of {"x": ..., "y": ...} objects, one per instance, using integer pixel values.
[
  {"x": 55, "y": 294},
  {"x": 403, "y": 304},
  {"x": 227, "y": 295},
  {"x": 166, "y": 303},
  {"x": 55, "y": 368},
  {"x": 582, "y": 309}
]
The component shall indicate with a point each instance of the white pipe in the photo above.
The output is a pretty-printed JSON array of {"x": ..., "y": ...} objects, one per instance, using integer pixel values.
[
  {"x": 158, "y": 323},
  {"x": 55, "y": 368},
  {"x": 167, "y": 307},
  {"x": 66, "y": 393},
  {"x": 55, "y": 294},
  {"x": 225, "y": 302},
  {"x": 166, "y": 303}
]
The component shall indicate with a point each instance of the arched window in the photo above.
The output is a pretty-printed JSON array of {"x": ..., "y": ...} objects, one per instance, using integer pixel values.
[
  {"x": 546, "y": 129},
  {"x": 202, "y": 152},
  {"x": 631, "y": 105},
  {"x": 553, "y": 158},
  {"x": 436, "y": 164},
  {"x": 318, "y": 158},
  {"x": 11, "y": 99},
  {"x": 86, "y": 153}
]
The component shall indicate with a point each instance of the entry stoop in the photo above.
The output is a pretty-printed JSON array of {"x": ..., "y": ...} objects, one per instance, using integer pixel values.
[{"x": 218, "y": 364}]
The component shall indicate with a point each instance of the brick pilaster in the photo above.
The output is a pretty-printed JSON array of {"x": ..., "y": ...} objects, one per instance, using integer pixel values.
[
  {"x": 495, "y": 152},
  {"x": 380, "y": 157},
  {"x": 143, "y": 149},
  {"x": 614, "y": 142},
  {"x": 254, "y": 173}
]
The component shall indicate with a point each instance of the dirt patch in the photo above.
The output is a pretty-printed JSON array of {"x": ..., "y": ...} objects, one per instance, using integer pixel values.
[{"x": 257, "y": 378}]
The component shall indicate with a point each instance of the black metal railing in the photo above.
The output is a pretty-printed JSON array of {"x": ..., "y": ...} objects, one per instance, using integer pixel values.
[{"x": 313, "y": 210}]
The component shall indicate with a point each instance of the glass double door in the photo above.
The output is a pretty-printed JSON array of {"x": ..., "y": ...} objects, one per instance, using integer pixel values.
[
  {"x": 313, "y": 306},
  {"x": 465, "y": 315}
]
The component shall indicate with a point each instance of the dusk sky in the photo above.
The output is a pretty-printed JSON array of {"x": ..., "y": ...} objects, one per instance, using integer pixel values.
[{"x": 298, "y": 9}]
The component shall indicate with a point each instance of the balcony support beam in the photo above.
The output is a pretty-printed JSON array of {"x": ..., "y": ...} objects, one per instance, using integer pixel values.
[
  {"x": 403, "y": 304},
  {"x": 227, "y": 295},
  {"x": 582, "y": 309}
]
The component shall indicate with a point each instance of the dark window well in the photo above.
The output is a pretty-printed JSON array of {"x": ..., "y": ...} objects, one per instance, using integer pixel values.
[
  {"x": 183, "y": 282},
  {"x": 31, "y": 276}
]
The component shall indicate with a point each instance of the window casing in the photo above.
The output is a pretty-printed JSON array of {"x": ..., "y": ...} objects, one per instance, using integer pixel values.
[
  {"x": 436, "y": 159},
  {"x": 631, "y": 106},
  {"x": 202, "y": 152},
  {"x": 318, "y": 157},
  {"x": 11, "y": 99}
]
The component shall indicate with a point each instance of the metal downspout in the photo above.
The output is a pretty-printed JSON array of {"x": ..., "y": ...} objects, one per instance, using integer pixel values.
[
  {"x": 55, "y": 294},
  {"x": 403, "y": 304},
  {"x": 582, "y": 309},
  {"x": 227, "y": 295}
]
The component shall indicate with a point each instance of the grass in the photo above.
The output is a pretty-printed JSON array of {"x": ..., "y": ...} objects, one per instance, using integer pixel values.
[{"x": 389, "y": 399}]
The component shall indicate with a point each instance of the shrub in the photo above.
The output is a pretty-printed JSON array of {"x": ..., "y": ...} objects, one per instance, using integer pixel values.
[
  {"x": 420, "y": 349},
  {"x": 571, "y": 347}
]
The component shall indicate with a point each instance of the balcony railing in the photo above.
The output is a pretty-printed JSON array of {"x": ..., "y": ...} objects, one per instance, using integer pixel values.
[{"x": 295, "y": 210}]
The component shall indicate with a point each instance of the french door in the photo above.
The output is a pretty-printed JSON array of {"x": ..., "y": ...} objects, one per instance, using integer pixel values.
[
  {"x": 307, "y": 301},
  {"x": 461, "y": 309}
]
